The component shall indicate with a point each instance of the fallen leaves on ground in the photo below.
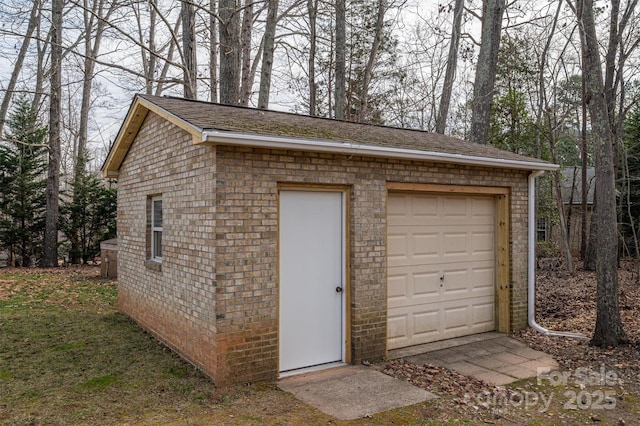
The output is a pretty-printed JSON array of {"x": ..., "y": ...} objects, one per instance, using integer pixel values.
[{"x": 568, "y": 303}]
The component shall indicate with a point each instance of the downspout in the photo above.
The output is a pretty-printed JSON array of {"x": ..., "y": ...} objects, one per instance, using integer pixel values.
[{"x": 531, "y": 275}]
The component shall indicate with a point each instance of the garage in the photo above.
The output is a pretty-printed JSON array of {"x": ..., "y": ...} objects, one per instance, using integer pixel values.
[
  {"x": 441, "y": 280},
  {"x": 293, "y": 242}
]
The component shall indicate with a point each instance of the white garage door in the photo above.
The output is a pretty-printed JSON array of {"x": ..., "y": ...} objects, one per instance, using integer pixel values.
[{"x": 441, "y": 267}]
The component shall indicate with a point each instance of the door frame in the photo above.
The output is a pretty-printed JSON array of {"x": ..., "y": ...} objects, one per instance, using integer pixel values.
[
  {"x": 346, "y": 255},
  {"x": 502, "y": 196}
]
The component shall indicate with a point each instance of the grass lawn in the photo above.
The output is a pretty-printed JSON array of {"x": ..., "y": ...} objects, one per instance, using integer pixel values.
[{"x": 68, "y": 357}]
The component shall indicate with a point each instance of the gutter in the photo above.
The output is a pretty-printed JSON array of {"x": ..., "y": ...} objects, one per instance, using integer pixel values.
[
  {"x": 315, "y": 145},
  {"x": 531, "y": 275}
]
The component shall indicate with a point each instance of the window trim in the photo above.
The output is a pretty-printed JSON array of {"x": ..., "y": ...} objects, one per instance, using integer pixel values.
[{"x": 152, "y": 252}]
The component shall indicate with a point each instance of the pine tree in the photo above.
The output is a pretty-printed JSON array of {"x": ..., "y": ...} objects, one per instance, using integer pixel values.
[
  {"x": 23, "y": 183},
  {"x": 87, "y": 216}
]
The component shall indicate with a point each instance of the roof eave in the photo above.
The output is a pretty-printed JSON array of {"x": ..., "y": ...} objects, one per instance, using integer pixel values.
[
  {"x": 132, "y": 123},
  {"x": 281, "y": 142}
]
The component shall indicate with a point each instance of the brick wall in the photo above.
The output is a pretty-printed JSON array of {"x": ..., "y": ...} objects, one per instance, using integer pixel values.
[
  {"x": 216, "y": 298},
  {"x": 176, "y": 303}
]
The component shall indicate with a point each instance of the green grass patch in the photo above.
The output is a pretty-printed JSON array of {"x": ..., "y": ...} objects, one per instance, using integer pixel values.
[{"x": 99, "y": 383}]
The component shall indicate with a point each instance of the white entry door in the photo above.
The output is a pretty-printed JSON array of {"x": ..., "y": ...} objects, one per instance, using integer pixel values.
[{"x": 311, "y": 278}]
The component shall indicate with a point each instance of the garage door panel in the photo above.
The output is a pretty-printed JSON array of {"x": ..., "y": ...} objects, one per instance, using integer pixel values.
[
  {"x": 409, "y": 325},
  {"x": 475, "y": 316},
  {"x": 397, "y": 287},
  {"x": 425, "y": 323},
  {"x": 454, "y": 244},
  {"x": 483, "y": 207},
  {"x": 397, "y": 330},
  {"x": 442, "y": 235},
  {"x": 456, "y": 283},
  {"x": 455, "y": 206},
  {"x": 425, "y": 245},
  {"x": 426, "y": 285},
  {"x": 483, "y": 242},
  {"x": 422, "y": 206},
  {"x": 398, "y": 210},
  {"x": 484, "y": 314},
  {"x": 456, "y": 318},
  {"x": 419, "y": 289},
  {"x": 483, "y": 278},
  {"x": 397, "y": 247}
]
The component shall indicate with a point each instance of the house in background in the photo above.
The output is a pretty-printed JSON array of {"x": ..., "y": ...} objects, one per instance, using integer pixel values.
[
  {"x": 571, "y": 191},
  {"x": 259, "y": 243}
]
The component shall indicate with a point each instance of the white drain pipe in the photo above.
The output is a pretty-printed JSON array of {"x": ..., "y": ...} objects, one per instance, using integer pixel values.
[{"x": 531, "y": 276}]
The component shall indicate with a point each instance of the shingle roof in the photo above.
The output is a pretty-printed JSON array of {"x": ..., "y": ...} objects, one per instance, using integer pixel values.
[{"x": 200, "y": 117}]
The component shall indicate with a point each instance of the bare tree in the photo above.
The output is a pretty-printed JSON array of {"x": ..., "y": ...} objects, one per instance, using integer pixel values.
[
  {"x": 450, "y": 73},
  {"x": 312, "y": 8},
  {"x": 486, "y": 70},
  {"x": 95, "y": 19},
  {"x": 213, "y": 50},
  {"x": 190, "y": 66},
  {"x": 608, "y": 330},
  {"x": 50, "y": 257},
  {"x": 373, "y": 53},
  {"x": 340, "y": 62},
  {"x": 246, "y": 80},
  {"x": 267, "y": 54},
  {"x": 34, "y": 18},
  {"x": 230, "y": 46}
]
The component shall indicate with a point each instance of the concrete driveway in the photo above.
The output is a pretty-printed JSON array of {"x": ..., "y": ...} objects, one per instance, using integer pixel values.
[{"x": 493, "y": 357}]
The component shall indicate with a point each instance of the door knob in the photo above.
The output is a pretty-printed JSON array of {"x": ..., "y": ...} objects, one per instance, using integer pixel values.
[{"x": 338, "y": 289}]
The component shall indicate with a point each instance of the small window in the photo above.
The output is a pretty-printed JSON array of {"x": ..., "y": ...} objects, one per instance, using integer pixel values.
[
  {"x": 541, "y": 229},
  {"x": 156, "y": 228}
]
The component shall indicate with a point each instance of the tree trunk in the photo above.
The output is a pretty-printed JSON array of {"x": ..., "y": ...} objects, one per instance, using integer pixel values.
[
  {"x": 213, "y": 50},
  {"x": 246, "y": 82},
  {"x": 190, "y": 70},
  {"x": 229, "y": 52},
  {"x": 267, "y": 55},
  {"x": 450, "y": 72},
  {"x": 312, "y": 7},
  {"x": 608, "y": 330},
  {"x": 17, "y": 67},
  {"x": 150, "y": 64},
  {"x": 50, "y": 257},
  {"x": 486, "y": 70},
  {"x": 584, "y": 189},
  {"x": 368, "y": 71},
  {"x": 564, "y": 240},
  {"x": 340, "y": 83}
]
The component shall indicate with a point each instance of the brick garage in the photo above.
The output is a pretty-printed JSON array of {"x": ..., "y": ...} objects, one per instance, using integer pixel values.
[{"x": 218, "y": 205}]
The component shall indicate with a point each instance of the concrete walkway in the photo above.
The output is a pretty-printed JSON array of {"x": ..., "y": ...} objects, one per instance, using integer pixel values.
[
  {"x": 493, "y": 357},
  {"x": 352, "y": 392}
]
